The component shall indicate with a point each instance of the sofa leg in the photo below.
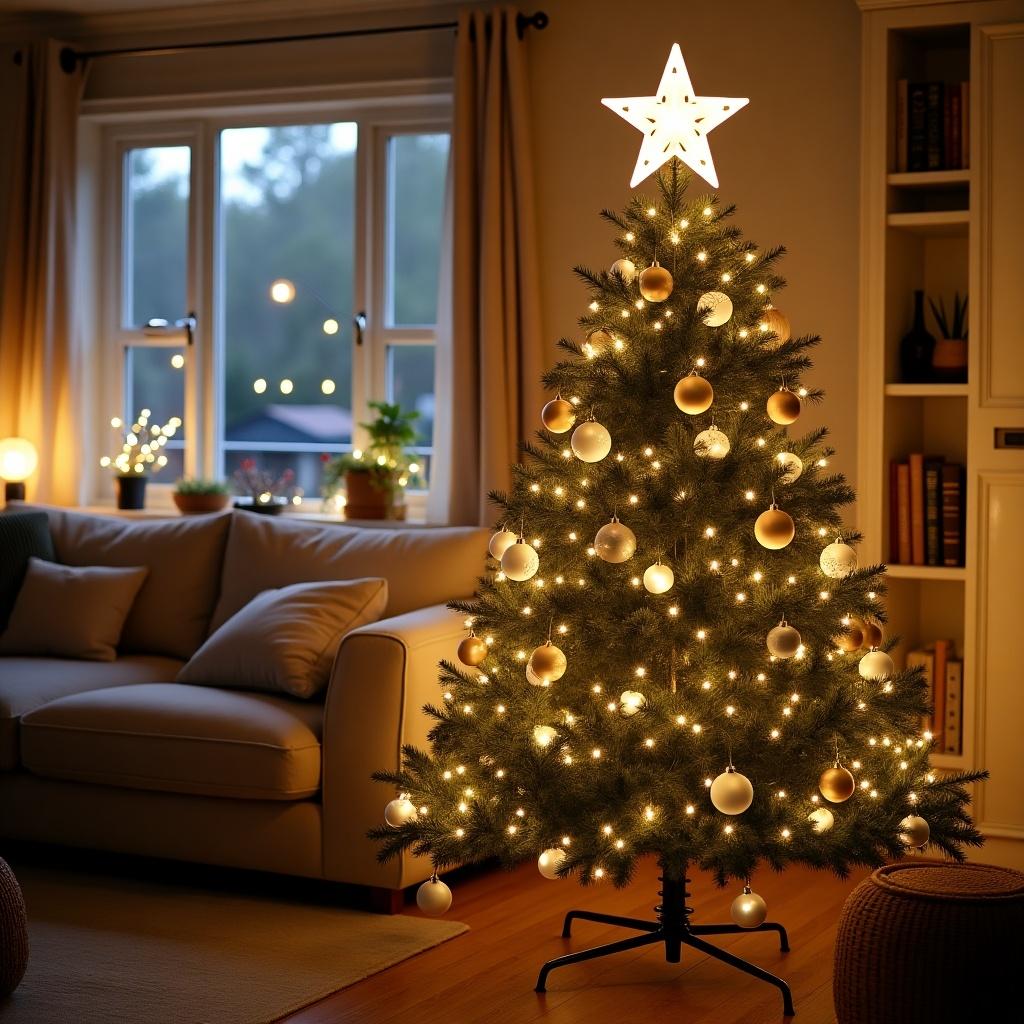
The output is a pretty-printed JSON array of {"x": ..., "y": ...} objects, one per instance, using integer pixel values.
[{"x": 385, "y": 901}]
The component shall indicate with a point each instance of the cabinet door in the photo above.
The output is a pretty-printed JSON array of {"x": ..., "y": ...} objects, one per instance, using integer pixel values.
[{"x": 997, "y": 410}]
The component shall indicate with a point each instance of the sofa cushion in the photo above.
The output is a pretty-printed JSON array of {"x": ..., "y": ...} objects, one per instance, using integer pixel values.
[
  {"x": 179, "y": 739},
  {"x": 286, "y": 640},
  {"x": 29, "y": 683},
  {"x": 422, "y": 566},
  {"x": 22, "y": 536},
  {"x": 66, "y": 611},
  {"x": 171, "y": 615}
]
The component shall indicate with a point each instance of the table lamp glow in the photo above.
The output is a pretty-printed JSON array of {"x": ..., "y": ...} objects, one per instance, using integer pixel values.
[{"x": 18, "y": 461}]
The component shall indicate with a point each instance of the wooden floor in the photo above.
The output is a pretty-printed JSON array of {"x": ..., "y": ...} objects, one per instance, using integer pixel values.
[{"x": 488, "y": 974}]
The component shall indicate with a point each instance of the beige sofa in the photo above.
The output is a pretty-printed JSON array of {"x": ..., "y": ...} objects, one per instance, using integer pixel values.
[{"x": 117, "y": 756}]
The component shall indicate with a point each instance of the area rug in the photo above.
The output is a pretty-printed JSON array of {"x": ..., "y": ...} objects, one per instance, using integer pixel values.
[{"x": 110, "y": 951}]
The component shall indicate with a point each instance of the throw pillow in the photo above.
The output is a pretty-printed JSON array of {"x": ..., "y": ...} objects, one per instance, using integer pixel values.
[
  {"x": 286, "y": 640},
  {"x": 22, "y": 534},
  {"x": 65, "y": 611}
]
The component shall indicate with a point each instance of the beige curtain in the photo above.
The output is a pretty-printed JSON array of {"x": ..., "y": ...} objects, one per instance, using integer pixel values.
[
  {"x": 490, "y": 350},
  {"x": 38, "y": 362}
]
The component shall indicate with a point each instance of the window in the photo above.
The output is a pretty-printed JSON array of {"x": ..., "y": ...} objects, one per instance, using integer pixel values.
[{"x": 308, "y": 248}]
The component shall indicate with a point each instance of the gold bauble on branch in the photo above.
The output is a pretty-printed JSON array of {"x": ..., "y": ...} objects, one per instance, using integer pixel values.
[
  {"x": 500, "y": 542},
  {"x": 596, "y": 343},
  {"x": 852, "y": 637},
  {"x": 774, "y": 529},
  {"x": 748, "y": 910},
  {"x": 775, "y": 322},
  {"x": 783, "y": 407},
  {"x": 655, "y": 283},
  {"x": 717, "y": 308},
  {"x": 731, "y": 792},
  {"x": 590, "y": 441},
  {"x": 520, "y": 561},
  {"x": 693, "y": 394},
  {"x": 836, "y": 784},
  {"x": 472, "y": 650},
  {"x": 558, "y": 415},
  {"x": 548, "y": 663},
  {"x": 615, "y": 542},
  {"x": 873, "y": 634},
  {"x": 783, "y": 641},
  {"x": 914, "y": 830},
  {"x": 625, "y": 268}
]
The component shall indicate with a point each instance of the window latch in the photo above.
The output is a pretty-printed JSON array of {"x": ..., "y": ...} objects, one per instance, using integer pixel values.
[
  {"x": 156, "y": 327},
  {"x": 359, "y": 323}
]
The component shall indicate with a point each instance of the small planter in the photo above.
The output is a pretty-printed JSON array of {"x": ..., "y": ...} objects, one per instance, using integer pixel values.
[
  {"x": 130, "y": 491},
  {"x": 949, "y": 360},
  {"x": 274, "y": 507},
  {"x": 367, "y": 497},
  {"x": 199, "y": 504}
]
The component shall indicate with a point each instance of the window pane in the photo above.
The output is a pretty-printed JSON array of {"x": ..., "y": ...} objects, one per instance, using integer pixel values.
[
  {"x": 155, "y": 234},
  {"x": 155, "y": 380},
  {"x": 287, "y": 215},
  {"x": 417, "y": 167},
  {"x": 411, "y": 385}
]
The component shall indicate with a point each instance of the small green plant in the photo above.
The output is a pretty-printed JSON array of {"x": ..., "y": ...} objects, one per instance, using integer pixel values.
[
  {"x": 957, "y": 327},
  {"x": 189, "y": 485}
]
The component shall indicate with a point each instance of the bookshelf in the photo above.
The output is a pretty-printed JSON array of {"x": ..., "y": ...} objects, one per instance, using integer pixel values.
[{"x": 935, "y": 230}]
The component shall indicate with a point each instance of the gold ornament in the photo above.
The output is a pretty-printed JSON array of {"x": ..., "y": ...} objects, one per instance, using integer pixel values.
[
  {"x": 783, "y": 641},
  {"x": 590, "y": 441},
  {"x": 836, "y": 784},
  {"x": 550, "y": 861},
  {"x": 873, "y": 635},
  {"x": 625, "y": 268},
  {"x": 693, "y": 394},
  {"x": 655, "y": 283},
  {"x": 838, "y": 560},
  {"x": 615, "y": 542},
  {"x": 558, "y": 415},
  {"x": 500, "y": 542},
  {"x": 914, "y": 830},
  {"x": 852, "y": 638},
  {"x": 520, "y": 561},
  {"x": 783, "y": 407},
  {"x": 732, "y": 793},
  {"x": 596, "y": 343},
  {"x": 717, "y": 308},
  {"x": 822, "y": 819},
  {"x": 775, "y": 322},
  {"x": 876, "y": 665},
  {"x": 774, "y": 529},
  {"x": 548, "y": 663},
  {"x": 748, "y": 910},
  {"x": 472, "y": 650}
]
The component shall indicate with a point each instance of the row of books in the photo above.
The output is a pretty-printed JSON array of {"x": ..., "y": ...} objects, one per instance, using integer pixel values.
[
  {"x": 932, "y": 126},
  {"x": 926, "y": 511},
  {"x": 944, "y": 673}
]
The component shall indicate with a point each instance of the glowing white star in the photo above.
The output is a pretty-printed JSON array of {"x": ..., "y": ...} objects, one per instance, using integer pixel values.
[{"x": 675, "y": 122}]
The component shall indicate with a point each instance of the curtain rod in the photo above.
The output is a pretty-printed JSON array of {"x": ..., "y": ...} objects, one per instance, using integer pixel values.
[{"x": 69, "y": 57}]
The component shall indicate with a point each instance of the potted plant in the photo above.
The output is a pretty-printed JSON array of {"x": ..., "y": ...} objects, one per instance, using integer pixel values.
[
  {"x": 375, "y": 479},
  {"x": 194, "y": 497},
  {"x": 141, "y": 454},
  {"x": 261, "y": 491},
  {"x": 949, "y": 357}
]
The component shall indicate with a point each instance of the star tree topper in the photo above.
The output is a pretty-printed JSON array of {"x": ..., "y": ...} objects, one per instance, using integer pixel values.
[{"x": 675, "y": 122}]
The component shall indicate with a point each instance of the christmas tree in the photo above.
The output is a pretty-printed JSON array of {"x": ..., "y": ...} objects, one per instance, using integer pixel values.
[{"x": 674, "y": 652}]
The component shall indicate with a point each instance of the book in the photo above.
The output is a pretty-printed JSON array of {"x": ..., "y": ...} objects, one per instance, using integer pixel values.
[
  {"x": 965, "y": 138},
  {"x": 947, "y": 129},
  {"x": 953, "y": 147},
  {"x": 901, "y": 124},
  {"x": 903, "y": 513},
  {"x": 917, "y": 135},
  {"x": 894, "y": 512},
  {"x": 925, "y": 660},
  {"x": 941, "y": 657},
  {"x": 934, "y": 136},
  {"x": 953, "y": 742},
  {"x": 953, "y": 479},
  {"x": 916, "y": 461},
  {"x": 933, "y": 510}
]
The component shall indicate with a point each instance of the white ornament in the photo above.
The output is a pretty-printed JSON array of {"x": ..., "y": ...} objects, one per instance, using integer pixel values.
[
  {"x": 544, "y": 735},
  {"x": 590, "y": 441},
  {"x": 500, "y": 542},
  {"x": 717, "y": 306},
  {"x": 400, "y": 811},
  {"x": 658, "y": 578},
  {"x": 792, "y": 465},
  {"x": 520, "y": 561},
  {"x": 433, "y": 897},
  {"x": 625, "y": 268},
  {"x": 783, "y": 641},
  {"x": 914, "y": 830},
  {"x": 822, "y": 819},
  {"x": 732, "y": 793},
  {"x": 711, "y": 444},
  {"x": 630, "y": 702},
  {"x": 675, "y": 122},
  {"x": 838, "y": 560},
  {"x": 748, "y": 910},
  {"x": 615, "y": 542},
  {"x": 550, "y": 861},
  {"x": 876, "y": 665}
]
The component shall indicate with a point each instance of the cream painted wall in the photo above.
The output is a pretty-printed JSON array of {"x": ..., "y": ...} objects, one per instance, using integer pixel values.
[{"x": 789, "y": 160}]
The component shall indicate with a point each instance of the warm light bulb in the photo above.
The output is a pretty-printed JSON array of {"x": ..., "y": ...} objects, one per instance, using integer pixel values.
[
  {"x": 330, "y": 325},
  {"x": 18, "y": 459},
  {"x": 282, "y": 291}
]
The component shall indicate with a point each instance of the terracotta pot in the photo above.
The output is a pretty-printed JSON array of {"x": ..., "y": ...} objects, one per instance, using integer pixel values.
[
  {"x": 364, "y": 500},
  {"x": 197, "y": 504},
  {"x": 949, "y": 360},
  {"x": 131, "y": 491}
]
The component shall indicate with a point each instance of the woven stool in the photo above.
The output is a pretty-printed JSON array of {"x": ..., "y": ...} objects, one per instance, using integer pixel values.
[
  {"x": 13, "y": 931},
  {"x": 930, "y": 943}
]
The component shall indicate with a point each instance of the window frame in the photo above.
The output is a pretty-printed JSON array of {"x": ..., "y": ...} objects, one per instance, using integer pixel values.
[{"x": 377, "y": 118}]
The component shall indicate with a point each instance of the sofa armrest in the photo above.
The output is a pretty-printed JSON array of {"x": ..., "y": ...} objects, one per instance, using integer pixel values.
[{"x": 383, "y": 675}]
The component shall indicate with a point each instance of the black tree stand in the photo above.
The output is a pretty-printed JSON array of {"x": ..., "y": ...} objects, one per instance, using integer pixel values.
[{"x": 674, "y": 929}]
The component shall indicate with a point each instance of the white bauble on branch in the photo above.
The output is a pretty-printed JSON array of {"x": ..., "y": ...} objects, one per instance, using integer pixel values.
[
  {"x": 520, "y": 561},
  {"x": 838, "y": 560},
  {"x": 544, "y": 735},
  {"x": 549, "y": 862},
  {"x": 717, "y": 308},
  {"x": 822, "y": 819},
  {"x": 433, "y": 897},
  {"x": 658, "y": 578},
  {"x": 625, "y": 268},
  {"x": 793, "y": 466},
  {"x": 748, "y": 910},
  {"x": 500, "y": 542},
  {"x": 783, "y": 641},
  {"x": 399, "y": 811},
  {"x": 876, "y": 665},
  {"x": 615, "y": 542},
  {"x": 731, "y": 792},
  {"x": 590, "y": 441},
  {"x": 914, "y": 830},
  {"x": 630, "y": 702},
  {"x": 711, "y": 444}
]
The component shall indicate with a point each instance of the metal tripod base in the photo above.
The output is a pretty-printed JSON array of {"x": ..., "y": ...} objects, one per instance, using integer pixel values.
[{"x": 674, "y": 930}]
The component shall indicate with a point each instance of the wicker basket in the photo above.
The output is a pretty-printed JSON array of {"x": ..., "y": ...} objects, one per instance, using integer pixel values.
[
  {"x": 13, "y": 931},
  {"x": 931, "y": 943}
]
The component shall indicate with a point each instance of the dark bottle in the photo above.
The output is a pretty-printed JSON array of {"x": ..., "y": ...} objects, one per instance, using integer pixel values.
[{"x": 916, "y": 348}]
